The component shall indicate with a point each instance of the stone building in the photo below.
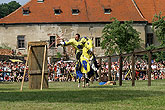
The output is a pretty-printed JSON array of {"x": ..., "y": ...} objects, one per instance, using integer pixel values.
[{"x": 45, "y": 20}]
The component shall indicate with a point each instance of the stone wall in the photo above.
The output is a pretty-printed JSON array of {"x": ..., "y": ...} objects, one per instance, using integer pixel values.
[{"x": 42, "y": 32}]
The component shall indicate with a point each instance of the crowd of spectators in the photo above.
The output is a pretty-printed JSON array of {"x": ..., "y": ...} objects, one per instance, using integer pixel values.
[
  {"x": 141, "y": 68},
  {"x": 64, "y": 71},
  {"x": 12, "y": 72},
  {"x": 61, "y": 71}
]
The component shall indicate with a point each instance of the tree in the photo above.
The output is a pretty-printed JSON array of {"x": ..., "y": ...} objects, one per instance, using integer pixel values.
[
  {"x": 13, "y": 5},
  {"x": 119, "y": 37},
  {"x": 6, "y": 9},
  {"x": 158, "y": 56},
  {"x": 158, "y": 26}
]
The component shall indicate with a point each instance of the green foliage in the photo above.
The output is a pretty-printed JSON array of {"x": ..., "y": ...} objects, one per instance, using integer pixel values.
[
  {"x": 151, "y": 47},
  {"x": 25, "y": 55},
  {"x": 6, "y": 9},
  {"x": 120, "y": 37},
  {"x": 158, "y": 56},
  {"x": 59, "y": 55},
  {"x": 159, "y": 28}
]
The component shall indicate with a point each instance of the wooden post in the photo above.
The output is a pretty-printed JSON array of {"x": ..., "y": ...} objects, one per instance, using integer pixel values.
[
  {"x": 133, "y": 69},
  {"x": 109, "y": 69},
  {"x": 100, "y": 69},
  {"x": 43, "y": 67},
  {"x": 149, "y": 68},
  {"x": 120, "y": 74},
  {"x": 25, "y": 68}
]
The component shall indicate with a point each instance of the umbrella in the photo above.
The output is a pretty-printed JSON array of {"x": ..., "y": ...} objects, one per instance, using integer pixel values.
[{"x": 15, "y": 60}]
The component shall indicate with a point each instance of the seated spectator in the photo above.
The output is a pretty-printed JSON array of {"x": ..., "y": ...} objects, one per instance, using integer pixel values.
[
  {"x": 11, "y": 77},
  {"x": 19, "y": 78},
  {"x": 6, "y": 78},
  {"x": 1, "y": 77}
]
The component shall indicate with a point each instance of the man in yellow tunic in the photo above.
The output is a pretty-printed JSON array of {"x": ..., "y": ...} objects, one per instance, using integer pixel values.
[
  {"x": 75, "y": 43},
  {"x": 82, "y": 45}
]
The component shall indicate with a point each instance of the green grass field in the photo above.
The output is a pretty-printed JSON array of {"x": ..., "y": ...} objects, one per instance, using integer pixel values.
[{"x": 66, "y": 96}]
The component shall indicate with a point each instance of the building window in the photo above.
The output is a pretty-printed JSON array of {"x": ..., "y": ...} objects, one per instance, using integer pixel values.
[
  {"x": 52, "y": 41},
  {"x": 57, "y": 11},
  {"x": 40, "y": 1},
  {"x": 25, "y": 11},
  {"x": 21, "y": 41},
  {"x": 75, "y": 11},
  {"x": 149, "y": 39},
  {"x": 107, "y": 11},
  {"x": 97, "y": 42}
]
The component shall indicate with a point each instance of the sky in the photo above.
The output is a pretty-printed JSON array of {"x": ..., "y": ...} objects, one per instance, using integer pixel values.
[{"x": 22, "y": 2}]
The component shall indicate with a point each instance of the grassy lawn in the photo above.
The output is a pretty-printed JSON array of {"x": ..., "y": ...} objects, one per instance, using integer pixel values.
[{"x": 66, "y": 96}]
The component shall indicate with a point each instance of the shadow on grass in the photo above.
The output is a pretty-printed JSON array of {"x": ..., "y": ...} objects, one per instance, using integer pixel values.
[
  {"x": 78, "y": 96},
  {"x": 7, "y": 89},
  {"x": 6, "y": 82}
]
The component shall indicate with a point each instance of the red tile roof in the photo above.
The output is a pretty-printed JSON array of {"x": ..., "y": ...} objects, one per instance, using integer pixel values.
[
  {"x": 90, "y": 11},
  {"x": 151, "y": 7},
  {"x": 5, "y": 52}
]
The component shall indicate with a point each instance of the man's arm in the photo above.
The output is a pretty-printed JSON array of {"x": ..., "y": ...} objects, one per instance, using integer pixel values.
[{"x": 66, "y": 43}]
